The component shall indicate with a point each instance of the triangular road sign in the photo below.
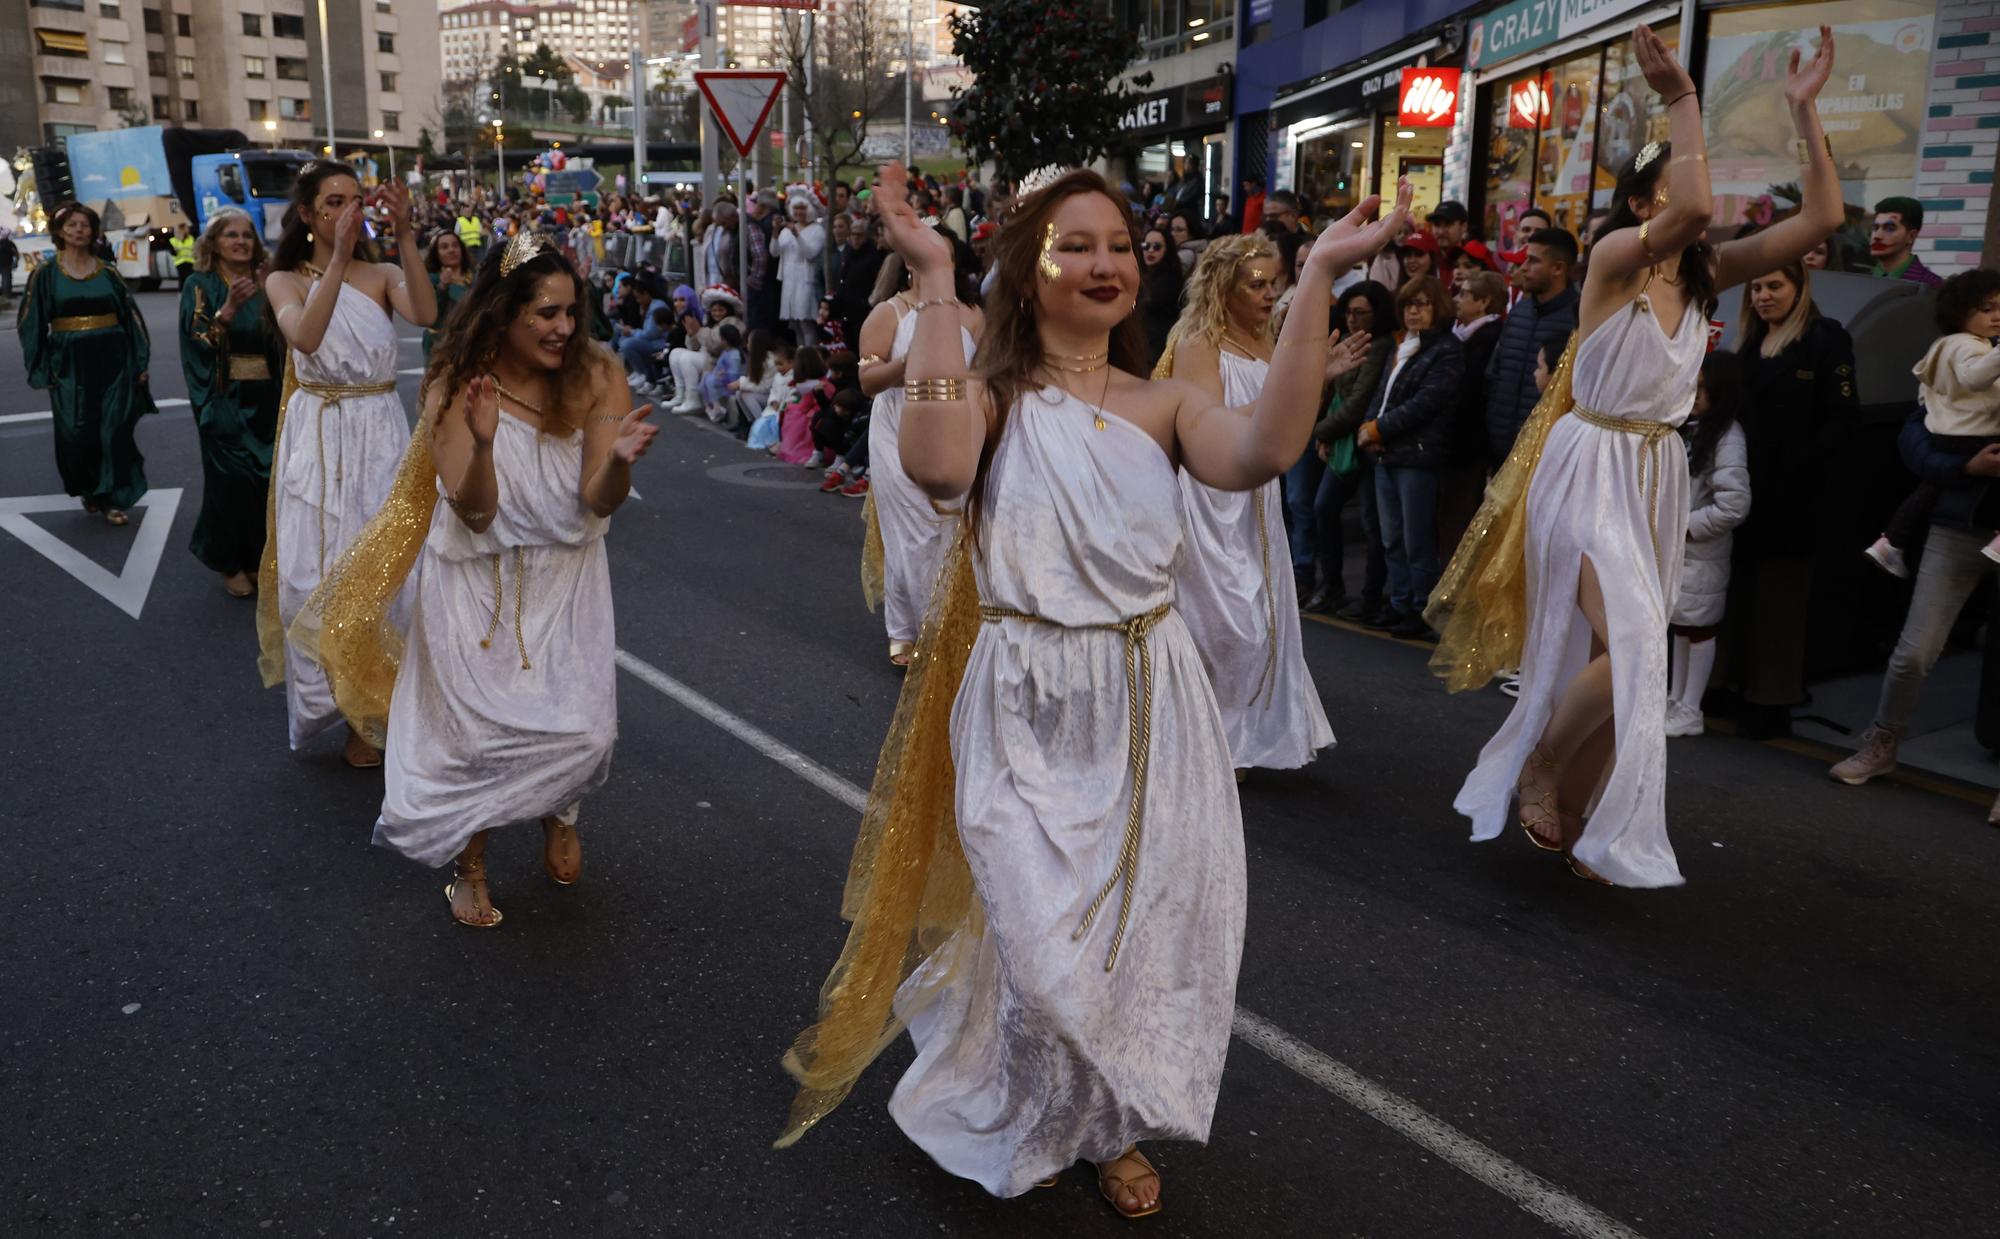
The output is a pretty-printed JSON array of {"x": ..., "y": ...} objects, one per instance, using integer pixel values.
[
  {"x": 741, "y": 100},
  {"x": 127, "y": 591}
]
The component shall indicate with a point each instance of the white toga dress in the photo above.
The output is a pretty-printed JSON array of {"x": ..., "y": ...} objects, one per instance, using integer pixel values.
[
  {"x": 476, "y": 740},
  {"x": 1621, "y": 500},
  {"x": 916, "y": 532},
  {"x": 333, "y": 468},
  {"x": 1236, "y": 591},
  {"x": 1034, "y": 1055}
]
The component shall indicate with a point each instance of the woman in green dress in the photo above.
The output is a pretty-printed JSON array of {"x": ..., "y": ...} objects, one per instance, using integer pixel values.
[
  {"x": 451, "y": 276},
  {"x": 84, "y": 341},
  {"x": 234, "y": 361}
]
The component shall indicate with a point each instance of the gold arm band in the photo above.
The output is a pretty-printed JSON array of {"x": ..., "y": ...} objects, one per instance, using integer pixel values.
[
  {"x": 934, "y": 391},
  {"x": 867, "y": 361},
  {"x": 1804, "y": 149},
  {"x": 467, "y": 517},
  {"x": 1696, "y": 157},
  {"x": 1646, "y": 226},
  {"x": 83, "y": 322}
]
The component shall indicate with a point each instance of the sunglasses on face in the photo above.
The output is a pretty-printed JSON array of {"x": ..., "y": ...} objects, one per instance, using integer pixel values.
[{"x": 1152, "y": 245}]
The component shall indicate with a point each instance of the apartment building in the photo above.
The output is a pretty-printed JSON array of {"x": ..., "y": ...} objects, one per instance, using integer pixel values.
[
  {"x": 251, "y": 65},
  {"x": 474, "y": 35}
]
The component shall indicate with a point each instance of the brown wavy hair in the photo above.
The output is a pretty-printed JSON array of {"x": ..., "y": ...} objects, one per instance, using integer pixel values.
[
  {"x": 469, "y": 338},
  {"x": 1010, "y": 356}
]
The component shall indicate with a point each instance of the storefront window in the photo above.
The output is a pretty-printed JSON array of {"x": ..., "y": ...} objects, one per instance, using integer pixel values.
[
  {"x": 1872, "y": 109},
  {"x": 1331, "y": 174},
  {"x": 1568, "y": 141},
  {"x": 1631, "y": 114},
  {"x": 1419, "y": 155}
]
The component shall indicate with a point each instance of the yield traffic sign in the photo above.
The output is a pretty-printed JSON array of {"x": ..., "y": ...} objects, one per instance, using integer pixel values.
[{"x": 741, "y": 100}]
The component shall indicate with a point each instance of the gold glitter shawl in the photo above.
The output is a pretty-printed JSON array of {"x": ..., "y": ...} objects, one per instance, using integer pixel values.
[
  {"x": 908, "y": 888},
  {"x": 345, "y": 625},
  {"x": 1480, "y": 606},
  {"x": 270, "y": 631},
  {"x": 872, "y": 554}
]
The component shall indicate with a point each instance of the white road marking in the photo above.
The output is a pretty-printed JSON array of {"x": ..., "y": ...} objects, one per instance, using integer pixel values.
[
  {"x": 170, "y": 402},
  {"x": 127, "y": 591},
  {"x": 1524, "y": 1187},
  {"x": 412, "y": 370}
]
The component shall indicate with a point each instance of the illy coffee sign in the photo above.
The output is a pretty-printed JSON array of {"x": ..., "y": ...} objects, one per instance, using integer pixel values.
[{"x": 1429, "y": 98}]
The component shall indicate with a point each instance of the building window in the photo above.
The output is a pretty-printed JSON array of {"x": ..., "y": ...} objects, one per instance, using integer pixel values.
[
  {"x": 259, "y": 108},
  {"x": 183, "y": 25},
  {"x": 114, "y": 53},
  {"x": 295, "y": 109},
  {"x": 253, "y": 25},
  {"x": 291, "y": 69},
  {"x": 156, "y": 63},
  {"x": 388, "y": 83},
  {"x": 385, "y": 43},
  {"x": 152, "y": 22},
  {"x": 160, "y": 108},
  {"x": 392, "y": 122},
  {"x": 193, "y": 109},
  {"x": 109, "y": 8},
  {"x": 62, "y": 43},
  {"x": 62, "y": 90},
  {"x": 186, "y": 65},
  {"x": 118, "y": 98},
  {"x": 288, "y": 25},
  {"x": 253, "y": 66}
]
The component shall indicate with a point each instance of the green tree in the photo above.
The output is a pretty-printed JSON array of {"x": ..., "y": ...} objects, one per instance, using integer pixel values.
[
  {"x": 852, "y": 84},
  {"x": 426, "y": 145},
  {"x": 1046, "y": 84}
]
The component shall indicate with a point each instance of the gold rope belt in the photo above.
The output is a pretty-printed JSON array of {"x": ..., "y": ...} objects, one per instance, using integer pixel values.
[
  {"x": 1653, "y": 434},
  {"x": 1139, "y": 749},
  {"x": 330, "y": 395},
  {"x": 83, "y": 322},
  {"x": 245, "y": 367},
  {"x": 520, "y": 592},
  {"x": 1268, "y": 681}
]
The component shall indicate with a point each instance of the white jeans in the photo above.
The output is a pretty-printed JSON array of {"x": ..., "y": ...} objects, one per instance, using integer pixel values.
[{"x": 688, "y": 365}]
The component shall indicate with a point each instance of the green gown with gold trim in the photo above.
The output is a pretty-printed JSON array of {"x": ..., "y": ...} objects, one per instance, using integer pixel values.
[
  {"x": 86, "y": 344},
  {"x": 448, "y": 297},
  {"x": 234, "y": 373}
]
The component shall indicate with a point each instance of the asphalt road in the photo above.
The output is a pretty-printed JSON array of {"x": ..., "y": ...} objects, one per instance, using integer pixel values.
[{"x": 223, "y": 1012}]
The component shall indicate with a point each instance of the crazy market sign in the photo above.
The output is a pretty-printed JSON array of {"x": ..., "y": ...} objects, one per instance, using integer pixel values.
[
  {"x": 1525, "y": 25},
  {"x": 1429, "y": 98},
  {"x": 1193, "y": 105}
]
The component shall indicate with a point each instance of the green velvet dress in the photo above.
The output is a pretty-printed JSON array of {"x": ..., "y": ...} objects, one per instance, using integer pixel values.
[
  {"x": 234, "y": 374},
  {"x": 85, "y": 343},
  {"x": 448, "y": 296}
]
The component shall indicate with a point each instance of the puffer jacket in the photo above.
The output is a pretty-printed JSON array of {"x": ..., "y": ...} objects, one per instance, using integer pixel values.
[
  {"x": 1413, "y": 412},
  {"x": 1718, "y": 500},
  {"x": 1510, "y": 376}
]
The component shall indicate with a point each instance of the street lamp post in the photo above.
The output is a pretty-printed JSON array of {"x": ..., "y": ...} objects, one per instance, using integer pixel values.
[
  {"x": 392, "y": 154},
  {"x": 271, "y": 133},
  {"x": 500, "y": 155},
  {"x": 326, "y": 77}
]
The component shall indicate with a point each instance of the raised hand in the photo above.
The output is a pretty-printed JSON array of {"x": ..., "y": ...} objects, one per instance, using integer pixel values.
[
  {"x": 396, "y": 205},
  {"x": 921, "y": 247},
  {"x": 1803, "y": 84},
  {"x": 635, "y": 435},
  {"x": 1664, "y": 73},
  {"x": 1359, "y": 234},
  {"x": 347, "y": 230},
  {"x": 482, "y": 409},
  {"x": 1347, "y": 354}
]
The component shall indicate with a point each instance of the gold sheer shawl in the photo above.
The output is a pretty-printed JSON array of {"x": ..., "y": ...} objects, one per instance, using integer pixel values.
[
  {"x": 345, "y": 625},
  {"x": 872, "y": 554},
  {"x": 908, "y": 888},
  {"x": 270, "y": 630},
  {"x": 1480, "y": 606}
]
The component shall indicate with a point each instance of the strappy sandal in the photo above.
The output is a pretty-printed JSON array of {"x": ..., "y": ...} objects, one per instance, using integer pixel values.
[
  {"x": 116, "y": 516},
  {"x": 1542, "y": 811},
  {"x": 901, "y": 652},
  {"x": 1585, "y": 872},
  {"x": 360, "y": 754},
  {"x": 471, "y": 872},
  {"x": 1112, "y": 1186},
  {"x": 563, "y": 835}
]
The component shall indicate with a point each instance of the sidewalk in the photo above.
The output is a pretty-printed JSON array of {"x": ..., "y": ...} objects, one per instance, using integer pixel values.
[{"x": 1940, "y": 740}]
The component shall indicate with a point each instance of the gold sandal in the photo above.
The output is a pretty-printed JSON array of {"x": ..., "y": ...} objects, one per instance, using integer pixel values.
[
  {"x": 901, "y": 652},
  {"x": 471, "y": 871},
  {"x": 116, "y": 516},
  {"x": 564, "y": 832},
  {"x": 1543, "y": 809},
  {"x": 1110, "y": 1185},
  {"x": 360, "y": 754}
]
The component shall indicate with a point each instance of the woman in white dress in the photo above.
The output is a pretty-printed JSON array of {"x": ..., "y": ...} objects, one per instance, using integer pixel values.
[
  {"x": 1069, "y": 979},
  {"x": 504, "y": 705},
  {"x": 342, "y": 426},
  {"x": 798, "y": 245},
  {"x": 1234, "y": 587},
  {"x": 916, "y": 530},
  {"x": 1591, "y": 509}
]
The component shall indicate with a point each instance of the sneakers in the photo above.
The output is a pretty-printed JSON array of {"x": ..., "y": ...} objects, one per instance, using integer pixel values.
[
  {"x": 833, "y": 481},
  {"x": 1876, "y": 758},
  {"x": 1684, "y": 720},
  {"x": 1325, "y": 599},
  {"x": 1992, "y": 550},
  {"x": 1890, "y": 560},
  {"x": 817, "y": 460},
  {"x": 856, "y": 489},
  {"x": 1510, "y": 686}
]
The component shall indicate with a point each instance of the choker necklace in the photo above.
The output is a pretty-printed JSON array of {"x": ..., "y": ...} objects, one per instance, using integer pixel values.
[
  {"x": 312, "y": 271},
  {"x": 1102, "y": 363},
  {"x": 1099, "y": 356},
  {"x": 529, "y": 405}
]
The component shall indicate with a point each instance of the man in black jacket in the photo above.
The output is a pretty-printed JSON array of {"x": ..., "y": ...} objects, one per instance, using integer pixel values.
[
  {"x": 1547, "y": 312},
  {"x": 857, "y": 278}
]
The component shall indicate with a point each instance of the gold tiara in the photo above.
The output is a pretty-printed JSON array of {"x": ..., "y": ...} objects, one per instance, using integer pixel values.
[
  {"x": 1647, "y": 154},
  {"x": 525, "y": 247}
]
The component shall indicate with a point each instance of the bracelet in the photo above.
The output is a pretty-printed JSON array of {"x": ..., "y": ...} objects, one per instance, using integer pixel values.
[
  {"x": 469, "y": 518},
  {"x": 866, "y": 361},
  {"x": 1804, "y": 150},
  {"x": 934, "y": 391},
  {"x": 1677, "y": 98},
  {"x": 1697, "y": 157},
  {"x": 1646, "y": 226},
  {"x": 921, "y": 306}
]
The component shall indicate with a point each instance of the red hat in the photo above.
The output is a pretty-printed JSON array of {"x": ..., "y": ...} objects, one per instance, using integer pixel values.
[
  {"x": 1420, "y": 240},
  {"x": 1478, "y": 252},
  {"x": 985, "y": 231}
]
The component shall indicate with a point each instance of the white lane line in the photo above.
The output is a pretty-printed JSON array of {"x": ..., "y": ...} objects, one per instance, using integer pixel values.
[
  {"x": 6, "y": 419},
  {"x": 1524, "y": 1187}
]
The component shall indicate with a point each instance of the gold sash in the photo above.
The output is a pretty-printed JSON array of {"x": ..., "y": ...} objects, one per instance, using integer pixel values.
[
  {"x": 249, "y": 367},
  {"x": 83, "y": 322}
]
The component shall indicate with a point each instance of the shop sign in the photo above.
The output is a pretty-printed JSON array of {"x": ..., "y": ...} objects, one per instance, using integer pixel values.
[
  {"x": 1189, "y": 106},
  {"x": 1429, "y": 98},
  {"x": 1518, "y": 28},
  {"x": 1528, "y": 103}
]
